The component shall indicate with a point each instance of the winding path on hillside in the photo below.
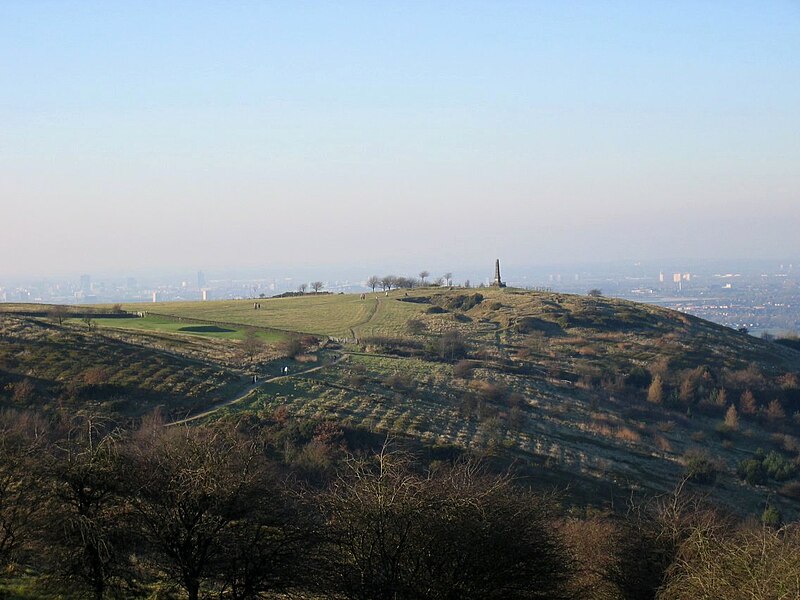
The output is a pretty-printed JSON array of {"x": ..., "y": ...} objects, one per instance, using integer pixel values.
[
  {"x": 250, "y": 390},
  {"x": 372, "y": 312}
]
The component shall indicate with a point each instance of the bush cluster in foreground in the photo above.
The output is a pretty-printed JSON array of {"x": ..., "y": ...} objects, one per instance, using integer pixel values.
[{"x": 243, "y": 510}]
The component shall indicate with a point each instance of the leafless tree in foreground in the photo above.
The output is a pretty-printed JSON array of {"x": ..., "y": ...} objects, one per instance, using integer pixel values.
[{"x": 454, "y": 533}]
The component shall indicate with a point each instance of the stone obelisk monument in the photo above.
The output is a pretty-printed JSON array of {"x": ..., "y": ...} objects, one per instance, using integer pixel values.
[{"x": 497, "y": 281}]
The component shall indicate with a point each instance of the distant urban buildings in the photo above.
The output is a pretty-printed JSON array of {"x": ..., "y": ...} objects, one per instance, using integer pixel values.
[{"x": 86, "y": 284}]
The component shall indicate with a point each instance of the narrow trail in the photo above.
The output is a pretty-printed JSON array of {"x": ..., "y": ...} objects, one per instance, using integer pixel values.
[
  {"x": 501, "y": 349},
  {"x": 373, "y": 311},
  {"x": 250, "y": 390}
]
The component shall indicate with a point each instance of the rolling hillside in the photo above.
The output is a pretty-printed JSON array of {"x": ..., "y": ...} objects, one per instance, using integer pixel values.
[{"x": 601, "y": 395}]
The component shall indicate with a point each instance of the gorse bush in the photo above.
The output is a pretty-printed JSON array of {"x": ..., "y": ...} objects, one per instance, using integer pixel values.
[{"x": 765, "y": 466}]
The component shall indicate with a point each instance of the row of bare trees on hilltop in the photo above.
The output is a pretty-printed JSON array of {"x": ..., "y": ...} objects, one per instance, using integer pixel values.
[{"x": 388, "y": 282}]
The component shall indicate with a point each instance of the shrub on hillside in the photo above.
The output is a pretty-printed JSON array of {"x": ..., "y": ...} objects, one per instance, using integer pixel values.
[
  {"x": 528, "y": 325},
  {"x": 398, "y": 382},
  {"x": 416, "y": 326},
  {"x": 765, "y": 466},
  {"x": 463, "y": 302},
  {"x": 752, "y": 471},
  {"x": 699, "y": 467},
  {"x": 778, "y": 467},
  {"x": 639, "y": 377},
  {"x": 23, "y": 392},
  {"x": 463, "y": 369},
  {"x": 290, "y": 347},
  {"x": 393, "y": 345},
  {"x": 449, "y": 346}
]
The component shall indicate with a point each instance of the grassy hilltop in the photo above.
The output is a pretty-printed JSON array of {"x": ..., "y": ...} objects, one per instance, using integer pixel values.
[{"x": 605, "y": 394}]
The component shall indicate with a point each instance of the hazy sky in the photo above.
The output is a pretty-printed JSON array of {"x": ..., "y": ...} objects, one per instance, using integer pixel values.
[{"x": 141, "y": 134}]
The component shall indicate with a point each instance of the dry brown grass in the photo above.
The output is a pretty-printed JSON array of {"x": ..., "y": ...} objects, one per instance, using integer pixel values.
[
  {"x": 662, "y": 443},
  {"x": 626, "y": 434},
  {"x": 306, "y": 358}
]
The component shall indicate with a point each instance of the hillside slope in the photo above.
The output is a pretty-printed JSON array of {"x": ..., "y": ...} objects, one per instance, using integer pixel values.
[
  {"x": 551, "y": 380},
  {"x": 602, "y": 395},
  {"x": 46, "y": 366}
]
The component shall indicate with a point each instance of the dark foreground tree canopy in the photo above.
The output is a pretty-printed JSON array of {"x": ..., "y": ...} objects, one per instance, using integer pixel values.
[{"x": 282, "y": 508}]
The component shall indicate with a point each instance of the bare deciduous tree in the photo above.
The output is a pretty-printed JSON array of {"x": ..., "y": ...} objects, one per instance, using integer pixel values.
[
  {"x": 373, "y": 282},
  {"x": 423, "y": 275},
  {"x": 21, "y": 444},
  {"x": 85, "y": 535},
  {"x": 317, "y": 286},
  {"x": 189, "y": 486},
  {"x": 58, "y": 312},
  {"x": 252, "y": 344},
  {"x": 455, "y": 533}
]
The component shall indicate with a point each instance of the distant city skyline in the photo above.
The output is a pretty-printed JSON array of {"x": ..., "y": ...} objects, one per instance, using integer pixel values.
[
  {"x": 140, "y": 137},
  {"x": 762, "y": 296},
  {"x": 194, "y": 276}
]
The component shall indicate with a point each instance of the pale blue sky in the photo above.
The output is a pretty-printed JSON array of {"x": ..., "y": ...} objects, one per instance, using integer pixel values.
[{"x": 211, "y": 134}]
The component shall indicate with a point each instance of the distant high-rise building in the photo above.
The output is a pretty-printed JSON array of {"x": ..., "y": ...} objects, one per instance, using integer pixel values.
[
  {"x": 205, "y": 295},
  {"x": 155, "y": 296},
  {"x": 676, "y": 277},
  {"x": 86, "y": 283},
  {"x": 201, "y": 280},
  {"x": 661, "y": 277},
  {"x": 687, "y": 276}
]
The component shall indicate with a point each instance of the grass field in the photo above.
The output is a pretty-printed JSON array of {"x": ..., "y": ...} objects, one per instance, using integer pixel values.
[
  {"x": 177, "y": 326},
  {"x": 335, "y": 315}
]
